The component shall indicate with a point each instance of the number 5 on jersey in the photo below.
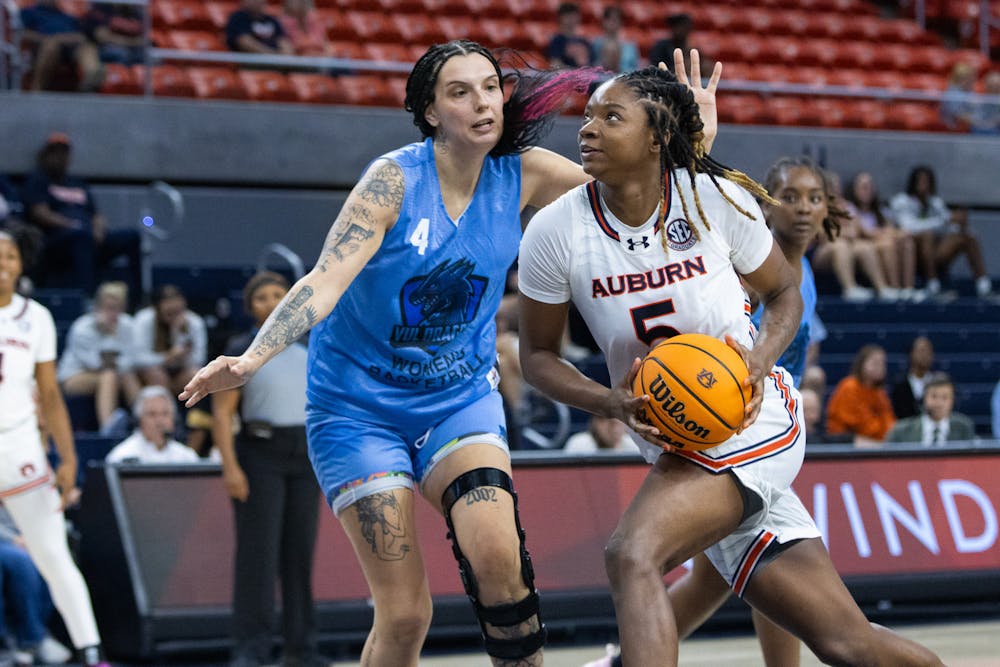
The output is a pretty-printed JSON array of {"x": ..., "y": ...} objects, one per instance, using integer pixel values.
[{"x": 420, "y": 235}]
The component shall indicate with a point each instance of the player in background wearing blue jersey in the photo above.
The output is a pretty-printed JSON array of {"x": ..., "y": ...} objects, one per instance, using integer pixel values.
[{"x": 402, "y": 386}]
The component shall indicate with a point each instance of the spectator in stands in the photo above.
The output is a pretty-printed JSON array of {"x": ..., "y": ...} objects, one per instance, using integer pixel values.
[
  {"x": 252, "y": 30},
  {"x": 957, "y": 111},
  {"x": 939, "y": 423},
  {"x": 908, "y": 390},
  {"x": 680, "y": 26},
  {"x": 275, "y": 495},
  {"x": 305, "y": 29},
  {"x": 99, "y": 358},
  {"x": 117, "y": 30},
  {"x": 75, "y": 232},
  {"x": 25, "y": 599},
  {"x": 849, "y": 251},
  {"x": 859, "y": 406},
  {"x": 941, "y": 234},
  {"x": 611, "y": 50},
  {"x": 10, "y": 202},
  {"x": 155, "y": 410},
  {"x": 57, "y": 39},
  {"x": 568, "y": 48},
  {"x": 895, "y": 247},
  {"x": 170, "y": 341},
  {"x": 995, "y": 411},
  {"x": 602, "y": 434},
  {"x": 814, "y": 378},
  {"x": 812, "y": 415},
  {"x": 987, "y": 120}
]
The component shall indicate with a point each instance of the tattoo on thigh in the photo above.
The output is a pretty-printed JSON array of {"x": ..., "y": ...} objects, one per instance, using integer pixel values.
[
  {"x": 482, "y": 494},
  {"x": 382, "y": 526}
]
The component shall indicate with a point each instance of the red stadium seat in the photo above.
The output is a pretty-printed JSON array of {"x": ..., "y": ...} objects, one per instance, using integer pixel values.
[
  {"x": 445, "y": 7},
  {"x": 866, "y": 114},
  {"x": 847, "y": 78},
  {"x": 926, "y": 82},
  {"x": 817, "y": 77},
  {"x": 120, "y": 80},
  {"x": 336, "y": 24},
  {"x": 314, "y": 88},
  {"x": 461, "y": 27},
  {"x": 216, "y": 83},
  {"x": 365, "y": 90},
  {"x": 219, "y": 12},
  {"x": 915, "y": 117},
  {"x": 264, "y": 86},
  {"x": 784, "y": 50},
  {"x": 372, "y": 26},
  {"x": 883, "y": 79},
  {"x": 181, "y": 15},
  {"x": 533, "y": 10},
  {"x": 831, "y": 112},
  {"x": 844, "y": 28},
  {"x": 781, "y": 111},
  {"x": 349, "y": 50},
  {"x": 539, "y": 32},
  {"x": 770, "y": 73},
  {"x": 196, "y": 41},
  {"x": 168, "y": 81},
  {"x": 766, "y": 21},
  {"x": 487, "y": 9},
  {"x": 392, "y": 7},
  {"x": 740, "y": 108},
  {"x": 505, "y": 33},
  {"x": 418, "y": 29},
  {"x": 909, "y": 32},
  {"x": 396, "y": 85},
  {"x": 645, "y": 14},
  {"x": 395, "y": 53},
  {"x": 818, "y": 52}
]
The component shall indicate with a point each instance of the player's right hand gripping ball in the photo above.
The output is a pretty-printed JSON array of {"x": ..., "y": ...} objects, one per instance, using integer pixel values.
[{"x": 695, "y": 386}]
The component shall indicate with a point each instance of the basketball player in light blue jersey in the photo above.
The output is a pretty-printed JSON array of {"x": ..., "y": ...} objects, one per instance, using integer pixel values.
[{"x": 402, "y": 389}]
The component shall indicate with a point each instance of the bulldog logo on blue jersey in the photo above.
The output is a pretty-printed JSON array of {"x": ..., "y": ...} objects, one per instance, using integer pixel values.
[{"x": 438, "y": 306}]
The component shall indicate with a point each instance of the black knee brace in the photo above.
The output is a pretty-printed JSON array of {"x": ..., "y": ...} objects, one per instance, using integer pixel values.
[{"x": 511, "y": 614}]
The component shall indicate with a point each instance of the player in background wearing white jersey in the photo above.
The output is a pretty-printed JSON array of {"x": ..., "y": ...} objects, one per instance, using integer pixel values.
[
  {"x": 34, "y": 499},
  {"x": 596, "y": 245}
]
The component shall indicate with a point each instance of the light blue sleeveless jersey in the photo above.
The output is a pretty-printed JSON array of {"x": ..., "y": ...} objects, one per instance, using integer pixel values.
[
  {"x": 413, "y": 338},
  {"x": 794, "y": 357}
]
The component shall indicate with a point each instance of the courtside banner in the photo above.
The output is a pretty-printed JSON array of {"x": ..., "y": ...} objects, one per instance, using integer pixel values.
[{"x": 882, "y": 516}]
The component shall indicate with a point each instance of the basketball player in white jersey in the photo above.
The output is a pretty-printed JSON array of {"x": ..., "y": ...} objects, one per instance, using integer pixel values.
[
  {"x": 31, "y": 493},
  {"x": 656, "y": 247}
]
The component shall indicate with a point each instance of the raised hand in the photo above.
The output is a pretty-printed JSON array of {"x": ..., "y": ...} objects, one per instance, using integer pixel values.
[
  {"x": 704, "y": 96},
  {"x": 222, "y": 373}
]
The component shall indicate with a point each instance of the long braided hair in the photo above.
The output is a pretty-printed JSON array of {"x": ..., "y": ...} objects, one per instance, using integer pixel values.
[
  {"x": 834, "y": 212},
  {"x": 673, "y": 114},
  {"x": 536, "y": 96}
]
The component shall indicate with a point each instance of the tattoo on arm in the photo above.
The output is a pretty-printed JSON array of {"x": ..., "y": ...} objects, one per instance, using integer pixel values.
[
  {"x": 354, "y": 226},
  {"x": 384, "y": 185},
  {"x": 383, "y": 526},
  {"x": 287, "y": 323}
]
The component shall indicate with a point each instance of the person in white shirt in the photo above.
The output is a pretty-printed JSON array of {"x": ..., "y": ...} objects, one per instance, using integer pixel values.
[
  {"x": 941, "y": 234},
  {"x": 152, "y": 442},
  {"x": 170, "y": 341},
  {"x": 99, "y": 359},
  {"x": 602, "y": 434},
  {"x": 31, "y": 492}
]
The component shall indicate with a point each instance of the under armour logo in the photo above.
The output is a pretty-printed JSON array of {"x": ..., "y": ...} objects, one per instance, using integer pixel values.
[
  {"x": 706, "y": 379},
  {"x": 632, "y": 242}
]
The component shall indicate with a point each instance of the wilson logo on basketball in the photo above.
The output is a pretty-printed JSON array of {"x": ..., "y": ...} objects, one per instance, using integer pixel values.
[
  {"x": 706, "y": 379},
  {"x": 673, "y": 409}
]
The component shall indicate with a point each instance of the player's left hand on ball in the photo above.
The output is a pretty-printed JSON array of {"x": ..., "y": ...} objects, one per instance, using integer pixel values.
[
  {"x": 69, "y": 494},
  {"x": 754, "y": 381},
  {"x": 625, "y": 407}
]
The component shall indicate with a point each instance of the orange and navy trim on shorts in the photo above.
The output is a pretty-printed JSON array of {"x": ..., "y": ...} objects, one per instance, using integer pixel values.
[
  {"x": 353, "y": 484},
  {"x": 760, "y": 450},
  {"x": 27, "y": 486},
  {"x": 751, "y": 559},
  {"x": 602, "y": 220}
]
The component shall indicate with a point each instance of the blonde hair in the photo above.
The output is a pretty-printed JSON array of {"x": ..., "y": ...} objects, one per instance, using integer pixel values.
[{"x": 116, "y": 290}]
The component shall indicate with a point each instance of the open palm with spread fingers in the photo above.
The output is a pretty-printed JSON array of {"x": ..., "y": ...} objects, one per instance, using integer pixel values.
[{"x": 704, "y": 95}]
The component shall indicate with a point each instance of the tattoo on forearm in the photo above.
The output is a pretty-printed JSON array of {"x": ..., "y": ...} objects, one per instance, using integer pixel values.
[
  {"x": 287, "y": 323},
  {"x": 384, "y": 186},
  {"x": 383, "y": 526},
  {"x": 354, "y": 226}
]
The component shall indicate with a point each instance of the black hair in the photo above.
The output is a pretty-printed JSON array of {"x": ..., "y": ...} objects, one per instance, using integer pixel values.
[
  {"x": 834, "y": 213},
  {"x": 535, "y": 99},
  {"x": 911, "y": 185},
  {"x": 674, "y": 115},
  {"x": 27, "y": 239},
  {"x": 257, "y": 281},
  {"x": 567, "y": 8},
  {"x": 876, "y": 209}
]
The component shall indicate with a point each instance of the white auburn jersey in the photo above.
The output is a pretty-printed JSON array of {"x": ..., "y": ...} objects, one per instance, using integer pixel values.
[
  {"x": 629, "y": 291},
  {"x": 27, "y": 337}
]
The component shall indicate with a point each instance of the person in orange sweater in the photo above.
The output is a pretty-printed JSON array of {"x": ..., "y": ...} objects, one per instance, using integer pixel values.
[{"x": 860, "y": 404}]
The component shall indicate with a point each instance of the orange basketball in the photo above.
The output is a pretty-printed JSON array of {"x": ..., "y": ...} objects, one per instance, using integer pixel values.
[{"x": 695, "y": 386}]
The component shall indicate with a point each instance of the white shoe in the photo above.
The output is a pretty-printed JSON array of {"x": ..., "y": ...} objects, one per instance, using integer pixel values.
[
  {"x": 51, "y": 652},
  {"x": 933, "y": 287},
  {"x": 611, "y": 651},
  {"x": 983, "y": 286},
  {"x": 858, "y": 294},
  {"x": 918, "y": 295},
  {"x": 889, "y": 294}
]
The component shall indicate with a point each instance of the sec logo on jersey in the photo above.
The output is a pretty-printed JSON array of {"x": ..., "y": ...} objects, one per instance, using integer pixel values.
[{"x": 679, "y": 234}]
